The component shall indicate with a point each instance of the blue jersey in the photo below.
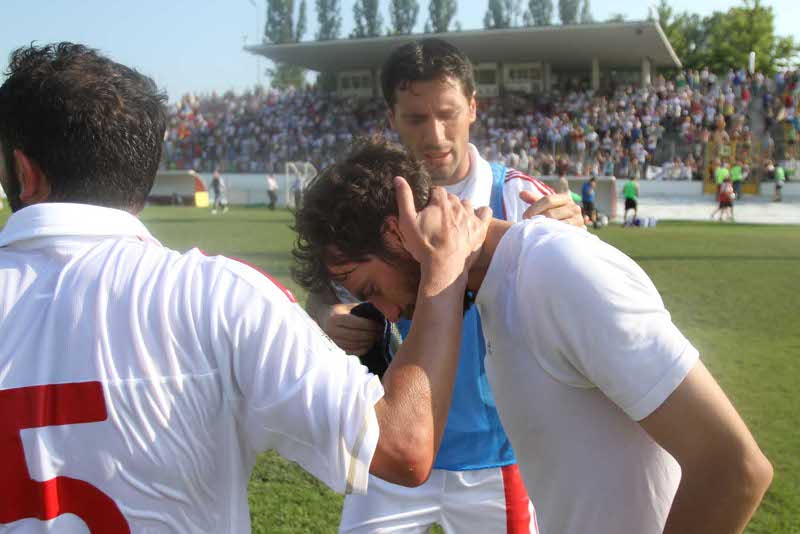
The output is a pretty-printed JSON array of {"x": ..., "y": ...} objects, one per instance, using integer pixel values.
[
  {"x": 587, "y": 192},
  {"x": 473, "y": 437}
]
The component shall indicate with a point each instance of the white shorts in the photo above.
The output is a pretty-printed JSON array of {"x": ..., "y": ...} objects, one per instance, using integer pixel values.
[{"x": 490, "y": 500}]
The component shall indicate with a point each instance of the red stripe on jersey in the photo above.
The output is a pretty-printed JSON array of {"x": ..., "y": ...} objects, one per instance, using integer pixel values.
[
  {"x": 540, "y": 186},
  {"x": 289, "y": 294},
  {"x": 518, "y": 516}
]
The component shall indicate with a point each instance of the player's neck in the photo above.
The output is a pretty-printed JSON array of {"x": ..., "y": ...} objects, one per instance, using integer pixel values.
[{"x": 497, "y": 229}]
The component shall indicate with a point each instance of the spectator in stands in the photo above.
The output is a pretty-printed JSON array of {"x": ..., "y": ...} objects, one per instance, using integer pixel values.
[
  {"x": 256, "y": 131},
  {"x": 272, "y": 191}
]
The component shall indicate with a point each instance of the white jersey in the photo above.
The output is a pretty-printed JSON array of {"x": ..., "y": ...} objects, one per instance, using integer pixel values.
[
  {"x": 137, "y": 384},
  {"x": 477, "y": 187},
  {"x": 580, "y": 348}
]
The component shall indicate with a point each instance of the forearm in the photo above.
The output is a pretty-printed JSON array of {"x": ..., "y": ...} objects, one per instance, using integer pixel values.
[
  {"x": 719, "y": 499},
  {"x": 419, "y": 382}
]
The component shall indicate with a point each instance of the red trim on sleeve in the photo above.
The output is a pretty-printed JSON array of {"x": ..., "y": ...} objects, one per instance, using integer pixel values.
[
  {"x": 518, "y": 515},
  {"x": 542, "y": 187},
  {"x": 289, "y": 294}
]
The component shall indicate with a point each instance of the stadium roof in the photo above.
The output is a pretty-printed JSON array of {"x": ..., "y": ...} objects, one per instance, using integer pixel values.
[{"x": 617, "y": 45}]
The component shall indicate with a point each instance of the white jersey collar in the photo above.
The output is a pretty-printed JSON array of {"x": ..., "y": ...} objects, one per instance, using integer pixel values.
[
  {"x": 57, "y": 219},
  {"x": 477, "y": 184}
]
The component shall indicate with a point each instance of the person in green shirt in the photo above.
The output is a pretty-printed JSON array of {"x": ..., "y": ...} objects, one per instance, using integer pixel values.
[
  {"x": 737, "y": 176},
  {"x": 721, "y": 173},
  {"x": 780, "y": 177},
  {"x": 631, "y": 194}
]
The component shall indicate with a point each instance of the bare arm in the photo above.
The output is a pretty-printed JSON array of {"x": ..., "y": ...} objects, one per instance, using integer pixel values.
[
  {"x": 724, "y": 473},
  {"x": 419, "y": 382}
]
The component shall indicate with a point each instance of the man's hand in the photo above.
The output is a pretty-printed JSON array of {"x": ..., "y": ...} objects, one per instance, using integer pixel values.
[
  {"x": 446, "y": 233},
  {"x": 354, "y": 335},
  {"x": 560, "y": 207}
]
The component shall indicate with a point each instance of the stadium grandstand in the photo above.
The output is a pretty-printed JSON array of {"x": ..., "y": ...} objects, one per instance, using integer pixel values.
[{"x": 558, "y": 100}]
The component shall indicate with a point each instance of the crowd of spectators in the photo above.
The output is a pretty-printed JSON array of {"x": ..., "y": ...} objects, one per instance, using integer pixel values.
[{"x": 620, "y": 132}]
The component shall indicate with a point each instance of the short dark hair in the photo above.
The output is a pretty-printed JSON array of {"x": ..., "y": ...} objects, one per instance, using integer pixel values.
[
  {"x": 423, "y": 61},
  {"x": 342, "y": 214},
  {"x": 95, "y": 127}
]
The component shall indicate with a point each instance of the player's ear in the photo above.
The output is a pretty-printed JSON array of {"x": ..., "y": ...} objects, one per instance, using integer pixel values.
[
  {"x": 34, "y": 185},
  {"x": 390, "y": 117},
  {"x": 392, "y": 236},
  {"x": 473, "y": 109}
]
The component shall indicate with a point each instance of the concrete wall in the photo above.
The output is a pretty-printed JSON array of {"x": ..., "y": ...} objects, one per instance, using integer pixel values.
[
  {"x": 791, "y": 190},
  {"x": 683, "y": 188}
]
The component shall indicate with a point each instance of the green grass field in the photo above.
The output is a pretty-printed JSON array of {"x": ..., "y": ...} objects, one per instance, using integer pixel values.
[{"x": 734, "y": 290}]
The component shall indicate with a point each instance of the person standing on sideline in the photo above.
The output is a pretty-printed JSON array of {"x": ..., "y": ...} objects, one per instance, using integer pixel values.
[
  {"x": 218, "y": 188},
  {"x": 726, "y": 197},
  {"x": 631, "y": 194},
  {"x": 588, "y": 196},
  {"x": 139, "y": 384},
  {"x": 272, "y": 191},
  {"x": 721, "y": 173},
  {"x": 737, "y": 176},
  {"x": 780, "y": 178},
  {"x": 430, "y": 92}
]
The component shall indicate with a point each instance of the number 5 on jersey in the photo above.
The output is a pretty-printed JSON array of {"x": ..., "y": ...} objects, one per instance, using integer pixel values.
[{"x": 23, "y": 497}]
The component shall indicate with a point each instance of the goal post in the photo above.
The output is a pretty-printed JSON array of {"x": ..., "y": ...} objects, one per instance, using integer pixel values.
[{"x": 297, "y": 175}]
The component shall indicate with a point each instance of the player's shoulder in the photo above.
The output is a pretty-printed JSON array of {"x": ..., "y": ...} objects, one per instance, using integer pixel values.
[
  {"x": 548, "y": 247},
  {"x": 220, "y": 274},
  {"x": 519, "y": 180}
]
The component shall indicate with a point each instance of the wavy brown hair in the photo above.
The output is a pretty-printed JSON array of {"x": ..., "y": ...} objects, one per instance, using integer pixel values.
[{"x": 343, "y": 210}]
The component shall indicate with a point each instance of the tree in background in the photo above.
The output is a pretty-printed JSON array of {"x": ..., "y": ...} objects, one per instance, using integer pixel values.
[
  {"x": 568, "y": 11},
  {"x": 540, "y": 12},
  {"x": 502, "y": 14},
  {"x": 746, "y": 28},
  {"x": 280, "y": 28},
  {"x": 440, "y": 14},
  {"x": 586, "y": 13},
  {"x": 616, "y": 17},
  {"x": 724, "y": 40},
  {"x": 367, "y": 19},
  {"x": 329, "y": 19},
  {"x": 404, "y": 16}
]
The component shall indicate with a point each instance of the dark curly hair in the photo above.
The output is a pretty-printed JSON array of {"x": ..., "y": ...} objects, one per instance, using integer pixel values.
[
  {"x": 95, "y": 127},
  {"x": 423, "y": 61},
  {"x": 343, "y": 210}
]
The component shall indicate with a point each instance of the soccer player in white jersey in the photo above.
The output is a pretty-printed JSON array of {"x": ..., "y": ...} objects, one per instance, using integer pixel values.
[
  {"x": 617, "y": 427},
  {"x": 429, "y": 89},
  {"x": 138, "y": 384}
]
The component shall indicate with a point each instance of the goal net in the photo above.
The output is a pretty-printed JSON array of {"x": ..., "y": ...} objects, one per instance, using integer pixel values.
[{"x": 296, "y": 177}]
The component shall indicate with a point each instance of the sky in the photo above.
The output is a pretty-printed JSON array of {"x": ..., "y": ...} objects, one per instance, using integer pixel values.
[{"x": 196, "y": 45}]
